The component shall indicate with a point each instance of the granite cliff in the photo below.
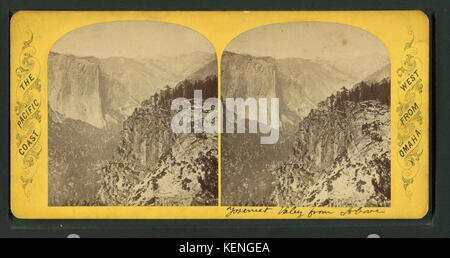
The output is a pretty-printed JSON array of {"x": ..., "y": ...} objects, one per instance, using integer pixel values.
[
  {"x": 109, "y": 118},
  {"x": 154, "y": 166},
  {"x": 105, "y": 91},
  {"x": 299, "y": 83},
  {"x": 331, "y": 125},
  {"x": 341, "y": 155}
]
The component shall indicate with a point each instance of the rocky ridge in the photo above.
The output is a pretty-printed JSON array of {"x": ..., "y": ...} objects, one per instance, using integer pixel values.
[
  {"x": 105, "y": 91},
  {"x": 154, "y": 166},
  {"x": 341, "y": 158}
]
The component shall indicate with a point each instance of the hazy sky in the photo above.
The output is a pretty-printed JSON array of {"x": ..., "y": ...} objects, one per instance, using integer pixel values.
[
  {"x": 310, "y": 40},
  {"x": 132, "y": 39}
]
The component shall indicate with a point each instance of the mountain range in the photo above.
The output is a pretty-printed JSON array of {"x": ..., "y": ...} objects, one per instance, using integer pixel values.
[
  {"x": 110, "y": 145},
  {"x": 334, "y": 131},
  {"x": 299, "y": 83},
  {"x": 101, "y": 91},
  {"x": 103, "y": 126}
]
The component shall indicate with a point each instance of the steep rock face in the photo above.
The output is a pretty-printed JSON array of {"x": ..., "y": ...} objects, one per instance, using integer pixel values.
[
  {"x": 75, "y": 88},
  {"x": 341, "y": 158},
  {"x": 251, "y": 172},
  {"x": 299, "y": 83},
  {"x": 145, "y": 137},
  {"x": 154, "y": 166},
  {"x": 245, "y": 76},
  {"x": 88, "y": 107},
  {"x": 186, "y": 176},
  {"x": 104, "y": 91},
  {"x": 80, "y": 89}
]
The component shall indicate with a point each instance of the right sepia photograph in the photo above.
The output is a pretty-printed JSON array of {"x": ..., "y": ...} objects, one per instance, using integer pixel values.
[{"x": 327, "y": 90}]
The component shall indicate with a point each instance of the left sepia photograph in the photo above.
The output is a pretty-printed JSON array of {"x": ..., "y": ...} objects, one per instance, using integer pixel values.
[{"x": 110, "y": 142}]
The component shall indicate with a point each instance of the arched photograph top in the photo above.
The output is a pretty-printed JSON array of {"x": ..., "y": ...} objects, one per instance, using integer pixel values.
[
  {"x": 110, "y": 86},
  {"x": 332, "y": 131}
]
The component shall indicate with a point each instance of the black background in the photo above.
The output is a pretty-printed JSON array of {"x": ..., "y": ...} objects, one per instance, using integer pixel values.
[{"x": 434, "y": 224}]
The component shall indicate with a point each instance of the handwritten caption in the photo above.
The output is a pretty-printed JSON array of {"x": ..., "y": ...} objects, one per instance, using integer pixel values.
[{"x": 301, "y": 212}]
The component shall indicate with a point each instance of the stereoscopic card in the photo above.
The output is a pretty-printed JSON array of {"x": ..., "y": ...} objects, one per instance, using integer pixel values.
[{"x": 219, "y": 115}]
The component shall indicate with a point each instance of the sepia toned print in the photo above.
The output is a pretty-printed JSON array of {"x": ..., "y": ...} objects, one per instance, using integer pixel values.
[
  {"x": 333, "y": 86},
  {"x": 86, "y": 123},
  {"x": 110, "y": 87}
]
